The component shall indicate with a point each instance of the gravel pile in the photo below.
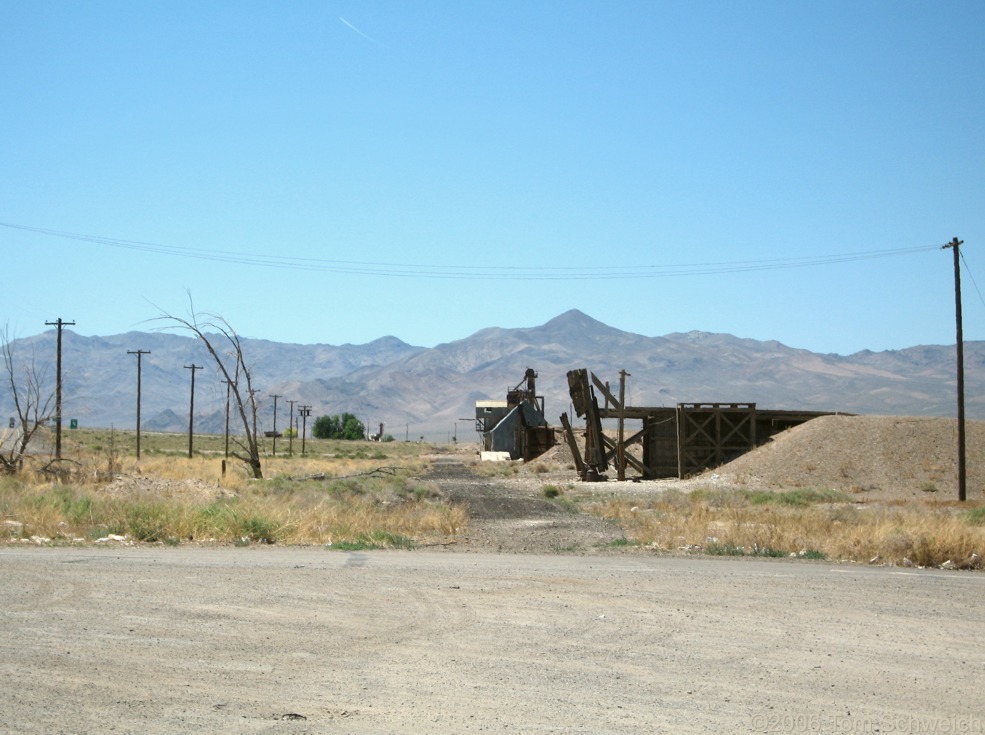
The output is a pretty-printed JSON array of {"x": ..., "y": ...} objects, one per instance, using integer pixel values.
[
  {"x": 883, "y": 457},
  {"x": 878, "y": 457}
]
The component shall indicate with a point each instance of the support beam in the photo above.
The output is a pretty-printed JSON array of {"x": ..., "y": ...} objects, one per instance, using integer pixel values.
[{"x": 573, "y": 444}]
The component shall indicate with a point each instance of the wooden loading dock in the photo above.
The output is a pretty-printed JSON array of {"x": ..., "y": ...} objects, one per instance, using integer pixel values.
[{"x": 676, "y": 441}]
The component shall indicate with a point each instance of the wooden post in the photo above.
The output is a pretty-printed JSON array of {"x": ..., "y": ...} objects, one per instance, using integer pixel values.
[
  {"x": 58, "y": 384},
  {"x": 139, "y": 354},
  {"x": 191, "y": 408},
  {"x": 621, "y": 446},
  {"x": 962, "y": 476},
  {"x": 573, "y": 445}
]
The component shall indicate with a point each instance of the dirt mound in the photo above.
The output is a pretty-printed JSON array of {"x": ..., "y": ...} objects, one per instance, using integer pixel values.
[
  {"x": 885, "y": 457},
  {"x": 159, "y": 487}
]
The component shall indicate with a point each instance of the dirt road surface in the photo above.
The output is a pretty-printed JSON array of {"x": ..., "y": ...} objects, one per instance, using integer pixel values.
[{"x": 289, "y": 640}]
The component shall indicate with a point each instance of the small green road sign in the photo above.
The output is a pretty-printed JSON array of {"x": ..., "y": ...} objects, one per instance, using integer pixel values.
[{"x": 73, "y": 424}]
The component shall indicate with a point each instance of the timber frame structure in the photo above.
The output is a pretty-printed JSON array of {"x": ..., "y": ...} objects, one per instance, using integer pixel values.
[
  {"x": 517, "y": 425},
  {"x": 677, "y": 441}
]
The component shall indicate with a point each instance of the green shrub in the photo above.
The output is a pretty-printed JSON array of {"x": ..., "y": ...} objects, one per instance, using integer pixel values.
[
  {"x": 976, "y": 517},
  {"x": 374, "y": 540},
  {"x": 800, "y": 497},
  {"x": 258, "y": 528},
  {"x": 718, "y": 549},
  {"x": 619, "y": 543},
  {"x": 148, "y": 521}
]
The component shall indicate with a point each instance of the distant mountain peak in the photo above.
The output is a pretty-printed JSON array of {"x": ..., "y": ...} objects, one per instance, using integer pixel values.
[
  {"x": 576, "y": 319},
  {"x": 428, "y": 390}
]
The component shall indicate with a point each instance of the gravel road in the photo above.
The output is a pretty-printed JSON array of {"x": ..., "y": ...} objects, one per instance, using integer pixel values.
[{"x": 289, "y": 640}]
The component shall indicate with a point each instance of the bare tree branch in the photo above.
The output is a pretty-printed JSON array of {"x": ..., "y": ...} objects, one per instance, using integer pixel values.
[
  {"x": 33, "y": 408},
  {"x": 237, "y": 374}
]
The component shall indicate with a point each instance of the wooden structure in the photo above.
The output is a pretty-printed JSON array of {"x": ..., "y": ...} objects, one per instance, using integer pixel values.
[
  {"x": 516, "y": 425},
  {"x": 677, "y": 441}
]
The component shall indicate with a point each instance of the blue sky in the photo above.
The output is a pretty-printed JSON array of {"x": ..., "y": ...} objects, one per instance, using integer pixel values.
[{"x": 337, "y": 171}]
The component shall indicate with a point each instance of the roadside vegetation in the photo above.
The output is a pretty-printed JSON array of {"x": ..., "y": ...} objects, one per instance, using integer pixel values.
[
  {"x": 353, "y": 495},
  {"x": 340, "y": 494},
  {"x": 806, "y": 523}
]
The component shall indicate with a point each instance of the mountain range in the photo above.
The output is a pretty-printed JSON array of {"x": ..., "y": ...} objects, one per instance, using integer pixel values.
[{"x": 431, "y": 392}]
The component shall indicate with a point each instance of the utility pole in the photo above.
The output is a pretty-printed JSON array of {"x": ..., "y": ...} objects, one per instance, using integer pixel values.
[
  {"x": 290, "y": 425},
  {"x": 955, "y": 244},
  {"x": 229, "y": 385},
  {"x": 191, "y": 410},
  {"x": 275, "y": 397},
  {"x": 621, "y": 468},
  {"x": 58, "y": 385},
  {"x": 253, "y": 408},
  {"x": 304, "y": 412},
  {"x": 139, "y": 354}
]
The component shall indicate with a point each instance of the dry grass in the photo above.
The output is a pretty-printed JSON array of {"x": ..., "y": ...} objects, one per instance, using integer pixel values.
[
  {"x": 342, "y": 494},
  {"x": 496, "y": 469},
  {"x": 821, "y": 524},
  {"x": 167, "y": 497}
]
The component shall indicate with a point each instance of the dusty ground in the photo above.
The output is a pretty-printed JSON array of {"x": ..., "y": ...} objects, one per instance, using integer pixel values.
[
  {"x": 512, "y": 514},
  {"x": 267, "y": 640},
  {"x": 559, "y": 639}
]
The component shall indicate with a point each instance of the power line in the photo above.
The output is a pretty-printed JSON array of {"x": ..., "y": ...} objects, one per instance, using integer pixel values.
[
  {"x": 971, "y": 275},
  {"x": 479, "y": 272}
]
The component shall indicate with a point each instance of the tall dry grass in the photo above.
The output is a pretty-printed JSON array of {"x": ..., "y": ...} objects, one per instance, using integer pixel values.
[
  {"x": 345, "y": 494},
  {"x": 821, "y": 524}
]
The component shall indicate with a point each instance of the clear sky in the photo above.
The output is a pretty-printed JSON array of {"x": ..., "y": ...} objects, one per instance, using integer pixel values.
[{"x": 339, "y": 171}]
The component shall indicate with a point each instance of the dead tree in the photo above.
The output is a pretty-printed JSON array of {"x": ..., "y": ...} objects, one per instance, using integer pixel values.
[
  {"x": 33, "y": 408},
  {"x": 235, "y": 372}
]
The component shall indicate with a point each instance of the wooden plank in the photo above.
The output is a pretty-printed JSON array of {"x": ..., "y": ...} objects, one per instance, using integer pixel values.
[
  {"x": 580, "y": 391},
  {"x": 572, "y": 444},
  {"x": 605, "y": 392}
]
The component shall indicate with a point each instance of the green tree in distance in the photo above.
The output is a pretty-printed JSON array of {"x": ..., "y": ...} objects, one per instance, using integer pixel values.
[{"x": 345, "y": 426}]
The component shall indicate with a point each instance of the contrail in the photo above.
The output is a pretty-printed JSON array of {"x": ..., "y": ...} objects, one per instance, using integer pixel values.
[{"x": 368, "y": 38}]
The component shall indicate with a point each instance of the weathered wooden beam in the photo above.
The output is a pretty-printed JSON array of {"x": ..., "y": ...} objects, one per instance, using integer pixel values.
[
  {"x": 580, "y": 391},
  {"x": 569, "y": 434},
  {"x": 637, "y": 465},
  {"x": 605, "y": 392},
  {"x": 637, "y": 412},
  {"x": 636, "y": 438}
]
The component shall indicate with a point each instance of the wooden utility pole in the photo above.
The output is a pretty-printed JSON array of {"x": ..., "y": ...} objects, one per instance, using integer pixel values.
[
  {"x": 955, "y": 244},
  {"x": 621, "y": 469},
  {"x": 191, "y": 410},
  {"x": 275, "y": 397},
  {"x": 290, "y": 433},
  {"x": 139, "y": 354},
  {"x": 228, "y": 388},
  {"x": 58, "y": 385},
  {"x": 304, "y": 412},
  {"x": 253, "y": 408}
]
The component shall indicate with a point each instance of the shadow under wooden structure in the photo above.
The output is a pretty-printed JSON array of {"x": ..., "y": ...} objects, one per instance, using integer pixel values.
[{"x": 675, "y": 441}]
